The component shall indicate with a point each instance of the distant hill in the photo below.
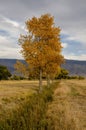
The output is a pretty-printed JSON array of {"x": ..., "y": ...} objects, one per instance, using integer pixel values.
[{"x": 73, "y": 66}]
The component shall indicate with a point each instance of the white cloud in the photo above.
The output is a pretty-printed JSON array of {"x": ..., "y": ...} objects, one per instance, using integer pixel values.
[
  {"x": 14, "y": 23},
  {"x": 12, "y": 27},
  {"x": 7, "y": 42},
  {"x": 9, "y": 49},
  {"x": 77, "y": 35},
  {"x": 11, "y": 53},
  {"x": 64, "y": 45},
  {"x": 75, "y": 57},
  {"x": 70, "y": 38}
]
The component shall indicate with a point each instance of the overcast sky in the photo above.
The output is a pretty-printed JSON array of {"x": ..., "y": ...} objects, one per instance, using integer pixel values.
[{"x": 70, "y": 15}]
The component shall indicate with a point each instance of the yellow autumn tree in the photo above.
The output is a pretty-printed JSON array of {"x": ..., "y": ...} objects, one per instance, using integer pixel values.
[
  {"x": 41, "y": 47},
  {"x": 22, "y": 69}
]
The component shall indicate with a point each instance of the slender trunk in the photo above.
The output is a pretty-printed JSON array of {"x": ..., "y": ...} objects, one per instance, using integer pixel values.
[
  {"x": 40, "y": 80},
  {"x": 48, "y": 80}
]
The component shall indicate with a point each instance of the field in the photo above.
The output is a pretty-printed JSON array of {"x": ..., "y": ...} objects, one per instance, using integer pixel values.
[
  {"x": 67, "y": 111},
  {"x": 14, "y": 92}
]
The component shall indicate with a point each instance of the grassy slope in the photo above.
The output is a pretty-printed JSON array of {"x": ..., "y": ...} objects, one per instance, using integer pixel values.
[{"x": 68, "y": 109}]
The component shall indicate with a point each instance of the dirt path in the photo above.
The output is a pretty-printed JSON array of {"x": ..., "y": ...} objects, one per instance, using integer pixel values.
[{"x": 68, "y": 109}]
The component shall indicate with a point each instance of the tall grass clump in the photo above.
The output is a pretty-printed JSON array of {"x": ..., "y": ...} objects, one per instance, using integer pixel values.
[{"x": 31, "y": 113}]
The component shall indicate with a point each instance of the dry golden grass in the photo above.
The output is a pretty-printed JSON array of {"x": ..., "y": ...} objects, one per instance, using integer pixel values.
[
  {"x": 68, "y": 110},
  {"x": 12, "y": 93}
]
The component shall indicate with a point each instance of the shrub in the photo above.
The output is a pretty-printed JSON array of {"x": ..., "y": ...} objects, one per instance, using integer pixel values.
[
  {"x": 81, "y": 77},
  {"x": 15, "y": 77},
  {"x": 4, "y": 73}
]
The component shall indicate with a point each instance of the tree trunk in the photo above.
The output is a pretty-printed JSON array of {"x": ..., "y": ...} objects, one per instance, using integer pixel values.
[
  {"x": 48, "y": 80},
  {"x": 40, "y": 81}
]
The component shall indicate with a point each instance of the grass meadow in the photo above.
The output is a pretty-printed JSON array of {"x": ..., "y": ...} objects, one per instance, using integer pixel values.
[
  {"x": 60, "y": 107},
  {"x": 68, "y": 108},
  {"x": 13, "y": 92}
]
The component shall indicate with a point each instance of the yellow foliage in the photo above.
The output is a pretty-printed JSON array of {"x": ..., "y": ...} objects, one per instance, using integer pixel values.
[
  {"x": 41, "y": 47},
  {"x": 21, "y": 68}
]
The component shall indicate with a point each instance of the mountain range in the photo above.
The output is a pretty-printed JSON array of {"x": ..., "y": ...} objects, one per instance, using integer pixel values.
[{"x": 73, "y": 66}]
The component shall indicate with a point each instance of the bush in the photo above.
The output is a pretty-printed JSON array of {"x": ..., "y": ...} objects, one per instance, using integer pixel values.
[
  {"x": 63, "y": 74},
  {"x": 15, "y": 77},
  {"x": 81, "y": 78},
  {"x": 4, "y": 73}
]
